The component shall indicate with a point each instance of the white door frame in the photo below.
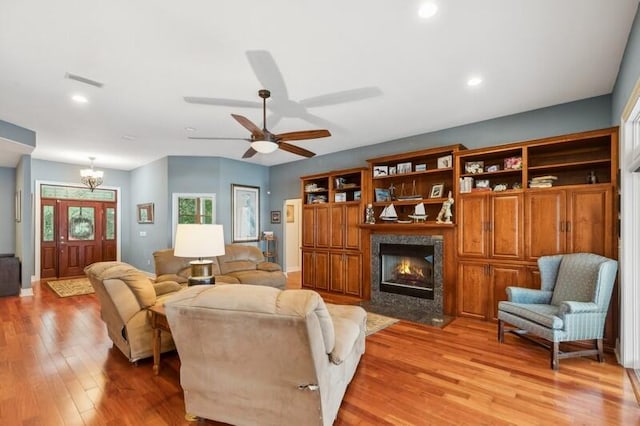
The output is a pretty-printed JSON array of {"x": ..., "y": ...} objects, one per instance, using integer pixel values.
[
  {"x": 628, "y": 350},
  {"x": 297, "y": 209}
]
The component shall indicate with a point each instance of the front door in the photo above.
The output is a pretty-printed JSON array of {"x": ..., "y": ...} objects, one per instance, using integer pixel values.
[{"x": 76, "y": 234}]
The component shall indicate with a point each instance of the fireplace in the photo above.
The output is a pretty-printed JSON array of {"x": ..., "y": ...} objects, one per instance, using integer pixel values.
[
  {"x": 407, "y": 269},
  {"x": 407, "y": 277}
]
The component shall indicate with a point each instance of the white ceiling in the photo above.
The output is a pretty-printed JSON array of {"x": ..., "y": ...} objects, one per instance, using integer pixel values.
[{"x": 393, "y": 74}]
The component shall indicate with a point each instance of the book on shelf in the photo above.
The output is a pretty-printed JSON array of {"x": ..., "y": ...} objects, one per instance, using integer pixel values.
[
  {"x": 466, "y": 184},
  {"x": 542, "y": 181}
]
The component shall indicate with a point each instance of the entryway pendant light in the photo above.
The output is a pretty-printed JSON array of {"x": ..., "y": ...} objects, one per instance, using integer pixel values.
[{"x": 91, "y": 177}]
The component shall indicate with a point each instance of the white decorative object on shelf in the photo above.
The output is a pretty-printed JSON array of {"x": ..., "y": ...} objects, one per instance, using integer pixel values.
[
  {"x": 389, "y": 213},
  {"x": 419, "y": 213},
  {"x": 445, "y": 214}
]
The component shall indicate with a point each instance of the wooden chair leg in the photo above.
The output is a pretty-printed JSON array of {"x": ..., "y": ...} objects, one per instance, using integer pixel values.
[
  {"x": 599, "y": 346},
  {"x": 554, "y": 356},
  {"x": 500, "y": 331}
]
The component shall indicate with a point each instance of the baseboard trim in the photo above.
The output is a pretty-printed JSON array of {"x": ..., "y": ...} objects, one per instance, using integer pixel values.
[
  {"x": 634, "y": 377},
  {"x": 25, "y": 292}
]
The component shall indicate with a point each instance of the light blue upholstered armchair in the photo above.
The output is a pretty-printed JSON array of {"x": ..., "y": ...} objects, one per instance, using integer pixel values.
[{"x": 571, "y": 305}]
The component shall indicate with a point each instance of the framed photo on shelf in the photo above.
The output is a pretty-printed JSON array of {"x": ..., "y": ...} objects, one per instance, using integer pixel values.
[
  {"x": 356, "y": 195},
  {"x": 492, "y": 168},
  {"x": 404, "y": 168},
  {"x": 392, "y": 170},
  {"x": 382, "y": 195},
  {"x": 380, "y": 171},
  {"x": 474, "y": 167},
  {"x": 245, "y": 213},
  {"x": 340, "y": 197},
  {"x": 421, "y": 167},
  {"x": 445, "y": 162},
  {"x": 437, "y": 190}
]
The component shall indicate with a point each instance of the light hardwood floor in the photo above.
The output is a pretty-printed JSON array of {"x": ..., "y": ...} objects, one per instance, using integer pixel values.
[{"x": 58, "y": 367}]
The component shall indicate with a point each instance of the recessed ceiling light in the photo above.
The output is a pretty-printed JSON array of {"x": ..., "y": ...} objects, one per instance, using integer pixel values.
[
  {"x": 427, "y": 10},
  {"x": 474, "y": 81},
  {"x": 190, "y": 129},
  {"x": 81, "y": 99}
]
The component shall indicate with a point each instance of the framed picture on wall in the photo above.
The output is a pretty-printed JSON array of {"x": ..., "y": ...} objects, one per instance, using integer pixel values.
[
  {"x": 145, "y": 213},
  {"x": 275, "y": 216},
  {"x": 245, "y": 213},
  {"x": 290, "y": 214}
]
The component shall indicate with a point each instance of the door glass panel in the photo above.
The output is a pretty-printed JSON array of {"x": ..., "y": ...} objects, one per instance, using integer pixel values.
[
  {"x": 47, "y": 223},
  {"x": 110, "y": 233},
  {"x": 81, "y": 223},
  {"x": 73, "y": 193}
]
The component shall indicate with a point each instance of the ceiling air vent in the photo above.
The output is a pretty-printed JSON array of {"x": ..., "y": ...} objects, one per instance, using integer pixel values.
[{"x": 84, "y": 80}]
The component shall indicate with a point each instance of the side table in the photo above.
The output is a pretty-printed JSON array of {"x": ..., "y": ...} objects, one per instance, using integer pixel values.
[{"x": 159, "y": 323}]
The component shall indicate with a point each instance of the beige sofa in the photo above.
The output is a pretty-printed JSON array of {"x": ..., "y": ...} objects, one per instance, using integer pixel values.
[
  {"x": 124, "y": 293},
  {"x": 259, "y": 355},
  {"x": 239, "y": 265}
]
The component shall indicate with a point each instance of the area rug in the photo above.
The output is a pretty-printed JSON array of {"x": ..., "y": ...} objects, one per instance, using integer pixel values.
[
  {"x": 376, "y": 322},
  {"x": 72, "y": 287}
]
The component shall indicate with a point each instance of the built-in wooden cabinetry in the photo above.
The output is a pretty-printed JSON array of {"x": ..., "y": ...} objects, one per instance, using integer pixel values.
[
  {"x": 333, "y": 209},
  {"x": 506, "y": 220}
]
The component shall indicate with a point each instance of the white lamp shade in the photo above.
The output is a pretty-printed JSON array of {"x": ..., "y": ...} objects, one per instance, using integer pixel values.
[
  {"x": 264, "y": 147},
  {"x": 199, "y": 241}
]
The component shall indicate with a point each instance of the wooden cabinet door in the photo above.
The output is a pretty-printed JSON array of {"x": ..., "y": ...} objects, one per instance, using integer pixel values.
[
  {"x": 473, "y": 284},
  {"x": 353, "y": 274},
  {"x": 337, "y": 226},
  {"x": 503, "y": 276},
  {"x": 352, "y": 229},
  {"x": 473, "y": 219},
  {"x": 308, "y": 226},
  {"x": 589, "y": 226},
  {"x": 308, "y": 269},
  {"x": 545, "y": 213},
  {"x": 322, "y": 226},
  {"x": 321, "y": 263},
  {"x": 506, "y": 226},
  {"x": 336, "y": 272}
]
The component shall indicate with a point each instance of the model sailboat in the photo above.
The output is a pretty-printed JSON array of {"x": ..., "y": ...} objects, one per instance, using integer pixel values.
[
  {"x": 419, "y": 213},
  {"x": 389, "y": 213}
]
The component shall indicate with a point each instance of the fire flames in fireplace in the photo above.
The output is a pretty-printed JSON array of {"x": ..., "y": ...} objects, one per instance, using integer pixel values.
[{"x": 405, "y": 272}]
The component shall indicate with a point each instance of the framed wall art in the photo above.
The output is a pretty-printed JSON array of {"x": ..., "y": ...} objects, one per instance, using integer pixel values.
[
  {"x": 145, "y": 213},
  {"x": 245, "y": 213}
]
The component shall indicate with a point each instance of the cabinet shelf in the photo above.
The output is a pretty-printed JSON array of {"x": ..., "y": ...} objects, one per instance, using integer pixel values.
[
  {"x": 423, "y": 172},
  {"x": 573, "y": 164},
  {"x": 496, "y": 173},
  {"x": 410, "y": 202}
]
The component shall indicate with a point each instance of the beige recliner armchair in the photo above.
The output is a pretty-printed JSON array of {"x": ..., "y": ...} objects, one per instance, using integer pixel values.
[
  {"x": 124, "y": 293},
  {"x": 258, "y": 355}
]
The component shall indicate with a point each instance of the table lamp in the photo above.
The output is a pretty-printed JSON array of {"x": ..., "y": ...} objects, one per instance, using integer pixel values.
[{"x": 199, "y": 241}]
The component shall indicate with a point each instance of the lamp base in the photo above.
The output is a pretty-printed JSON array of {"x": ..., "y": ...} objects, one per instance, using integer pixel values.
[
  {"x": 201, "y": 272},
  {"x": 201, "y": 280}
]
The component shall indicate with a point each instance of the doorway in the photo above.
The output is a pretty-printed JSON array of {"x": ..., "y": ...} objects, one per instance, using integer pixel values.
[
  {"x": 76, "y": 230},
  {"x": 292, "y": 235}
]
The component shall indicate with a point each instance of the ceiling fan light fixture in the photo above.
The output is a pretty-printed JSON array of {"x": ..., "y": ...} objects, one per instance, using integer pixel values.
[{"x": 264, "y": 147}]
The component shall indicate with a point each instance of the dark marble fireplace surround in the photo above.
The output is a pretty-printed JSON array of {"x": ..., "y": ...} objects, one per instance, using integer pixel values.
[{"x": 402, "y": 306}]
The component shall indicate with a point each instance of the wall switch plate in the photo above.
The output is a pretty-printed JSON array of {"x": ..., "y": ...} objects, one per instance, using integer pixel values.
[{"x": 143, "y": 233}]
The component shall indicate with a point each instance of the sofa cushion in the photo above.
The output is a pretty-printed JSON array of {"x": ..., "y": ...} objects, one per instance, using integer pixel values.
[
  {"x": 139, "y": 283},
  {"x": 268, "y": 267},
  {"x": 270, "y": 279},
  {"x": 165, "y": 287},
  {"x": 239, "y": 258}
]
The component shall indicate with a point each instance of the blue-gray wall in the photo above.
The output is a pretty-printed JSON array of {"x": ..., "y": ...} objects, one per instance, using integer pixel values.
[
  {"x": 587, "y": 114},
  {"x": 629, "y": 71},
  {"x": 149, "y": 184},
  {"x": 7, "y": 212}
]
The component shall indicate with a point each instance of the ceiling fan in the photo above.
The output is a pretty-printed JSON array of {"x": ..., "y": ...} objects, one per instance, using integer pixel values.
[{"x": 265, "y": 142}]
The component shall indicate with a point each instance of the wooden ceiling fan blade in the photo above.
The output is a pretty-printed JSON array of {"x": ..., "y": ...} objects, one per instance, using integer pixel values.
[
  {"x": 295, "y": 149},
  {"x": 249, "y": 153},
  {"x": 248, "y": 124},
  {"x": 302, "y": 135}
]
